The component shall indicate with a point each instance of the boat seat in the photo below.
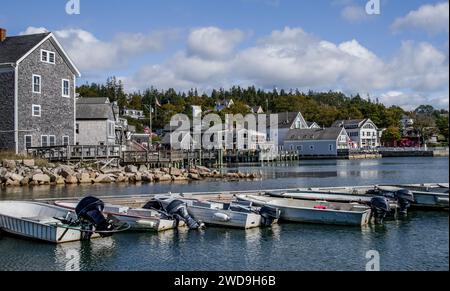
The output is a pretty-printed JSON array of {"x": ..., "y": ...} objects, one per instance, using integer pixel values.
[
  {"x": 201, "y": 204},
  {"x": 116, "y": 209},
  {"x": 43, "y": 220}
]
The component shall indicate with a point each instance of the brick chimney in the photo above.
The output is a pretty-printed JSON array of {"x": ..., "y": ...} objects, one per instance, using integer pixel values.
[{"x": 2, "y": 34}]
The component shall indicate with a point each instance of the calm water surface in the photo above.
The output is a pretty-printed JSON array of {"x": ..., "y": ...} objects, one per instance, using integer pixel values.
[{"x": 419, "y": 242}]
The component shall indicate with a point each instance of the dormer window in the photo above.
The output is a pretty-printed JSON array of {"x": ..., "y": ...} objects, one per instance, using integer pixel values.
[{"x": 47, "y": 57}]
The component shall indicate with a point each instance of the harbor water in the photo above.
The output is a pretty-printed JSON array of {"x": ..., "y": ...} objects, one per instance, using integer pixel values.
[{"x": 419, "y": 242}]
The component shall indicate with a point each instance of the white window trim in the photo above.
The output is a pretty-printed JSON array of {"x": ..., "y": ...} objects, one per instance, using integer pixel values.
[
  {"x": 111, "y": 125},
  {"x": 62, "y": 89},
  {"x": 48, "y": 141},
  {"x": 32, "y": 110},
  {"x": 40, "y": 84},
  {"x": 25, "y": 140},
  {"x": 64, "y": 138},
  {"x": 48, "y": 57},
  {"x": 42, "y": 56}
]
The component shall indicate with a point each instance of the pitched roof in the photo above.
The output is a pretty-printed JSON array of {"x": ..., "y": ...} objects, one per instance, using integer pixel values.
[
  {"x": 13, "y": 48},
  {"x": 311, "y": 123},
  {"x": 331, "y": 133},
  {"x": 285, "y": 120},
  {"x": 95, "y": 112},
  {"x": 353, "y": 123},
  {"x": 349, "y": 122},
  {"x": 93, "y": 100}
]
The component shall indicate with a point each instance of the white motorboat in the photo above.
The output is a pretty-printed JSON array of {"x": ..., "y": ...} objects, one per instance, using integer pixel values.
[
  {"x": 138, "y": 219},
  {"x": 307, "y": 211},
  {"x": 428, "y": 196},
  {"x": 235, "y": 214},
  {"x": 40, "y": 222}
]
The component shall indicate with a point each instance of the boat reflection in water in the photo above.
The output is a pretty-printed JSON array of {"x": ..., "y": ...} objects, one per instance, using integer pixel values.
[{"x": 85, "y": 256}]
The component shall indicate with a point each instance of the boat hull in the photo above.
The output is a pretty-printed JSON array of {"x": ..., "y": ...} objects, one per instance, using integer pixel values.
[
  {"x": 137, "y": 219},
  {"x": 39, "y": 231},
  {"x": 324, "y": 216},
  {"x": 144, "y": 223},
  {"x": 305, "y": 211},
  {"x": 215, "y": 217}
]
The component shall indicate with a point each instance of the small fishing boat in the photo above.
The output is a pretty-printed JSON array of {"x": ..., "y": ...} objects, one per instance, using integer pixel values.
[
  {"x": 139, "y": 219},
  {"x": 235, "y": 214},
  {"x": 422, "y": 199},
  {"x": 344, "y": 198},
  {"x": 322, "y": 212},
  {"x": 54, "y": 224}
]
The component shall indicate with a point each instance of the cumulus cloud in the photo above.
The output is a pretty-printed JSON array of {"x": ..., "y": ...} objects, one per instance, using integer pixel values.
[
  {"x": 410, "y": 101},
  {"x": 92, "y": 54},
  {"x": 293, "y": 58},
  {"x": 417, "y": 72},
  {"x": 212, "y": 42},
  {"x": 354, "y": 13},
  {"x": 430, "y": 18}
]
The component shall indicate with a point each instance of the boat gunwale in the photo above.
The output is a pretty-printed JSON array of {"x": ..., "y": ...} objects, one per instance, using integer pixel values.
[
  {"x": 310, "y": 208},
  {"x": 27, "y": 219},
  {"x": 123, "y": 215}
]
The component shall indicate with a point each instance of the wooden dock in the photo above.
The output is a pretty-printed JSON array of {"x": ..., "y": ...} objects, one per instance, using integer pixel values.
[{"x": 110, "y": 154}]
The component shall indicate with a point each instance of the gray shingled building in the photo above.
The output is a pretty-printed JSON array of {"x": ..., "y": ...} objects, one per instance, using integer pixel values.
[
  {"x": 317, "y": 141},
  {"x": 96, "y": 121},
  {"x": 37, "y": 92}
]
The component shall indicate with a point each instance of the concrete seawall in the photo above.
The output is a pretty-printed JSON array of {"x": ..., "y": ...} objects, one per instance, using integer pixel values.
[{"x": 429, "y": 153}]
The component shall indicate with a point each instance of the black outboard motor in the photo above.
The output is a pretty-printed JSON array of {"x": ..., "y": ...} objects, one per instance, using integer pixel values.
[
  {"x": 178, "y": 209},
  {"x": 90, "y": 210},
  {"x": 404, "y": 198},
  {"x": 380, "y": 208},
  {"x": 269, "y": 215}
]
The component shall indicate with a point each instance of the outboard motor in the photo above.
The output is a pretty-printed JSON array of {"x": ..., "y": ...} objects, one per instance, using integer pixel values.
[
  {"x": 269, "y": 215},
  {"x": 90, "y": 210},
  {"x": 178, "y": 209},
  {"x": 404, "y": 198},
  {"x": 380, "y": 208}
]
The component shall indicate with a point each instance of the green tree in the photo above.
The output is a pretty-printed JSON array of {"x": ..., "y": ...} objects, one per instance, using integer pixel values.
[
  {"x": 391, "y": 134},
  {"x": 425, "y": 126},
  {"x": 442, "y": 124}
]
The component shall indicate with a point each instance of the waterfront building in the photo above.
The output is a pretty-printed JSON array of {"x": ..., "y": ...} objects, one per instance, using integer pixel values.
[
  {"x": 362, "y": 132},
  {"x": 257, "y": 110},
  {"x": 224, "y": 104},
  {"x": 37, "y": 92},
  {"x": 133, "y": 113},
  {"x": 96, "y": 121},
  {"x": 317, "y": 141},
  {"x": 286, "y": 122},
  {"x": 313, "y": 125}
]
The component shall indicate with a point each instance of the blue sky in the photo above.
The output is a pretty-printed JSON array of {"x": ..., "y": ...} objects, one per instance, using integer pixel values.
[{"x": 400, "y": 56}]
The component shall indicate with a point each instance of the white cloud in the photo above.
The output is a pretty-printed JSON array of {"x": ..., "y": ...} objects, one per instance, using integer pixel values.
[
  {"x": 292, "y": 58},
  {"x": 34, "y": 30},
  {"x": 212, "y": 42},
  {"x": 430, "y": 18},
  {"x": 410, "y": 101},
  {"x": 354, "y": 13},
  {"x": 91, "y": 54},
  {"x": 287, "y": 58}
]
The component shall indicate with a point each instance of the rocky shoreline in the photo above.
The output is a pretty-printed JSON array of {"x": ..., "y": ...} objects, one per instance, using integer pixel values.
[{"x": 25, "y": 173}]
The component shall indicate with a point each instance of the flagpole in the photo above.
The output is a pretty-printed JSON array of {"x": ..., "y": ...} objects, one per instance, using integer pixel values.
[{"x": 151, "y": 127}]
